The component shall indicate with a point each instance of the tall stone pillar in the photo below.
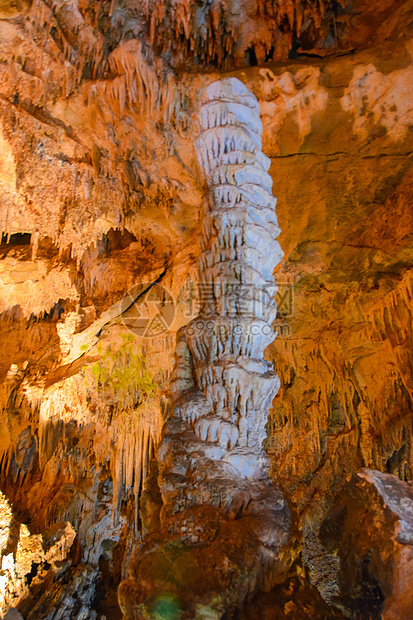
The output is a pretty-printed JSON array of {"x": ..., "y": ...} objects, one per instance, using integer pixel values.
[{"x": 222, "y": 523}]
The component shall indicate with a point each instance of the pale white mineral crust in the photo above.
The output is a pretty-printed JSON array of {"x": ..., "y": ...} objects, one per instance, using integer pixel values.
[{"x": 221, "y": 352}]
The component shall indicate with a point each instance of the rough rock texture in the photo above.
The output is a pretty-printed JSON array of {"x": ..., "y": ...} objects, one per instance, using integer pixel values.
[
  {"x": 370, "y": 527},
  {"x": 100, "y": 190},
  {"x": 30, "y": 559},
  {"x": 223, "y": 528}
]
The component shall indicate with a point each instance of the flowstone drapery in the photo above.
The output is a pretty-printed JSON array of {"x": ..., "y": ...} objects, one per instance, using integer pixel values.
[{"x": 218, "y": 534}]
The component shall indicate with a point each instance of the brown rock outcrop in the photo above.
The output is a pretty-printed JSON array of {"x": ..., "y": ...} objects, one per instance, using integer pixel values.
[{"x": 370, "y": 527}]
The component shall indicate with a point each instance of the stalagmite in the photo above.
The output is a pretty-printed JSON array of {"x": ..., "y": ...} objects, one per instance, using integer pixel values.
[{"x": 212, "y": 465}]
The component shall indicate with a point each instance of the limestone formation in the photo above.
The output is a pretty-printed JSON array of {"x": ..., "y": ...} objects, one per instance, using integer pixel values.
[{"x": 213, "y": 471}]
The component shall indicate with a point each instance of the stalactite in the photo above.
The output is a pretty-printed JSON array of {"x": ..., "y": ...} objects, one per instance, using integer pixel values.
[
  {"x": 144, "y": 81},
  {"x": 126, "y": 445},
  {"x": 215, "y": 31}
]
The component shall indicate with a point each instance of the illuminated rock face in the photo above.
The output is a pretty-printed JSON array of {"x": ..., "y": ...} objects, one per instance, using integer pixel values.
[{"x": 213, "y": 471}]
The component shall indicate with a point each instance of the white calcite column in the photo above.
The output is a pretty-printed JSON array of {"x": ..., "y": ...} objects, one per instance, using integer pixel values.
[
  {"x": 220, "y": 514},
  {"x": 239, "y": 252}
]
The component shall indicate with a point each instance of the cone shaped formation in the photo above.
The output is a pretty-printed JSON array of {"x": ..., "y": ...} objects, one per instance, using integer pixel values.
[{"x": 212, "y": 465}]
